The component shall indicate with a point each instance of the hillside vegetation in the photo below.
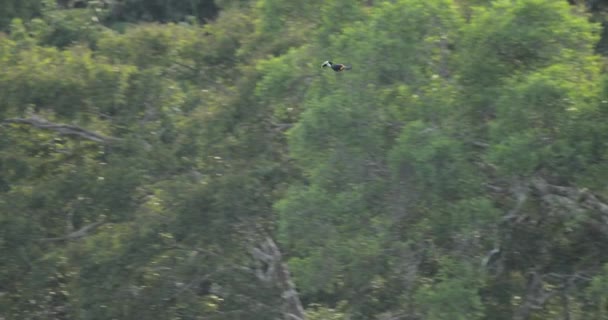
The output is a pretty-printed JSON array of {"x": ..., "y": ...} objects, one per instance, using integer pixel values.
[{"x": 192, "y": 160}]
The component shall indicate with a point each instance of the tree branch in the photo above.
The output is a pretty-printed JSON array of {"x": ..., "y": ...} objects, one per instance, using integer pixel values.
[
  {"x": 537, "y": 293},
  {"x": 536, "y": 297},
  {"x": 480, "y": 144},
  {"x": 84, "y": 231},
  {"x": 571, "y": 200},
  {"x": 270, "y": 256},
  {"x": 520, "y": 191},
  {"x": 64, "y": 129}
]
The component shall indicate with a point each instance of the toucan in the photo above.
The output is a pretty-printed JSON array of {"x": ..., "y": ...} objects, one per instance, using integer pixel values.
[{"x": 337, "y": 67}]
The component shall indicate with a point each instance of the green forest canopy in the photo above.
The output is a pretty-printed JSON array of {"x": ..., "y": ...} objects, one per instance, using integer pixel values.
[{"x": 191, "y": 160}]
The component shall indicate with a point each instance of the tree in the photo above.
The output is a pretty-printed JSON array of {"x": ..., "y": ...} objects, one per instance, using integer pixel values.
[{"x": 173, "y": 169}]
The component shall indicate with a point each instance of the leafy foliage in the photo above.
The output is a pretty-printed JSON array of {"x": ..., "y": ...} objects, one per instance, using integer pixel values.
[{"x": 456, "y": 172}]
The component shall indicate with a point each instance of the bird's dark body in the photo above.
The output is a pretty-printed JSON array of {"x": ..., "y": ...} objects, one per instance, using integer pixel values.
[{"x": 340, "y": 67}]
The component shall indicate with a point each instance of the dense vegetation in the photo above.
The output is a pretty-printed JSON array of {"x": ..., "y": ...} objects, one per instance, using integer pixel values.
[{"x": 191, "y": 160}]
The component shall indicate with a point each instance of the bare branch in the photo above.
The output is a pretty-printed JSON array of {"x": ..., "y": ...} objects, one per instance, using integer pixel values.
[
  {"x": 538, "y": 293},
  {"x": 82, "y": 232},
  {"x": 536, "y": 297},
  {"x": 268, "y": 254},
  {"x": 480, "y": 144},
  {"x": 261, "y": 255},
  {"x": 574, "y": 200},
  {"x": 64, "y": 129},
  {"x": 282, "y": 126},
  {"x": 520, "y": 191},
  {"x": 494, "y": 188}
]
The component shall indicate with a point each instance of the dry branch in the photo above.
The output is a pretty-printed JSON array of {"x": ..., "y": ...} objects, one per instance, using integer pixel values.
[
  {"x": 82, "y": 232},
  {"x": 64, "y": 129},
  {"x": 520, "y": 190},
  {"x": 538, "y": 292},
  {"x": 572, "y": 200},
  {"x": 536, "y": 297},
  {"x": 565, "y": 201},
  {"x": 270, "y": 256}
]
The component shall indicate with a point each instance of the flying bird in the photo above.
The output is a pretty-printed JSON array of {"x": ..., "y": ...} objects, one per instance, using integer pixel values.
[{"x": 337, "y": 67}]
